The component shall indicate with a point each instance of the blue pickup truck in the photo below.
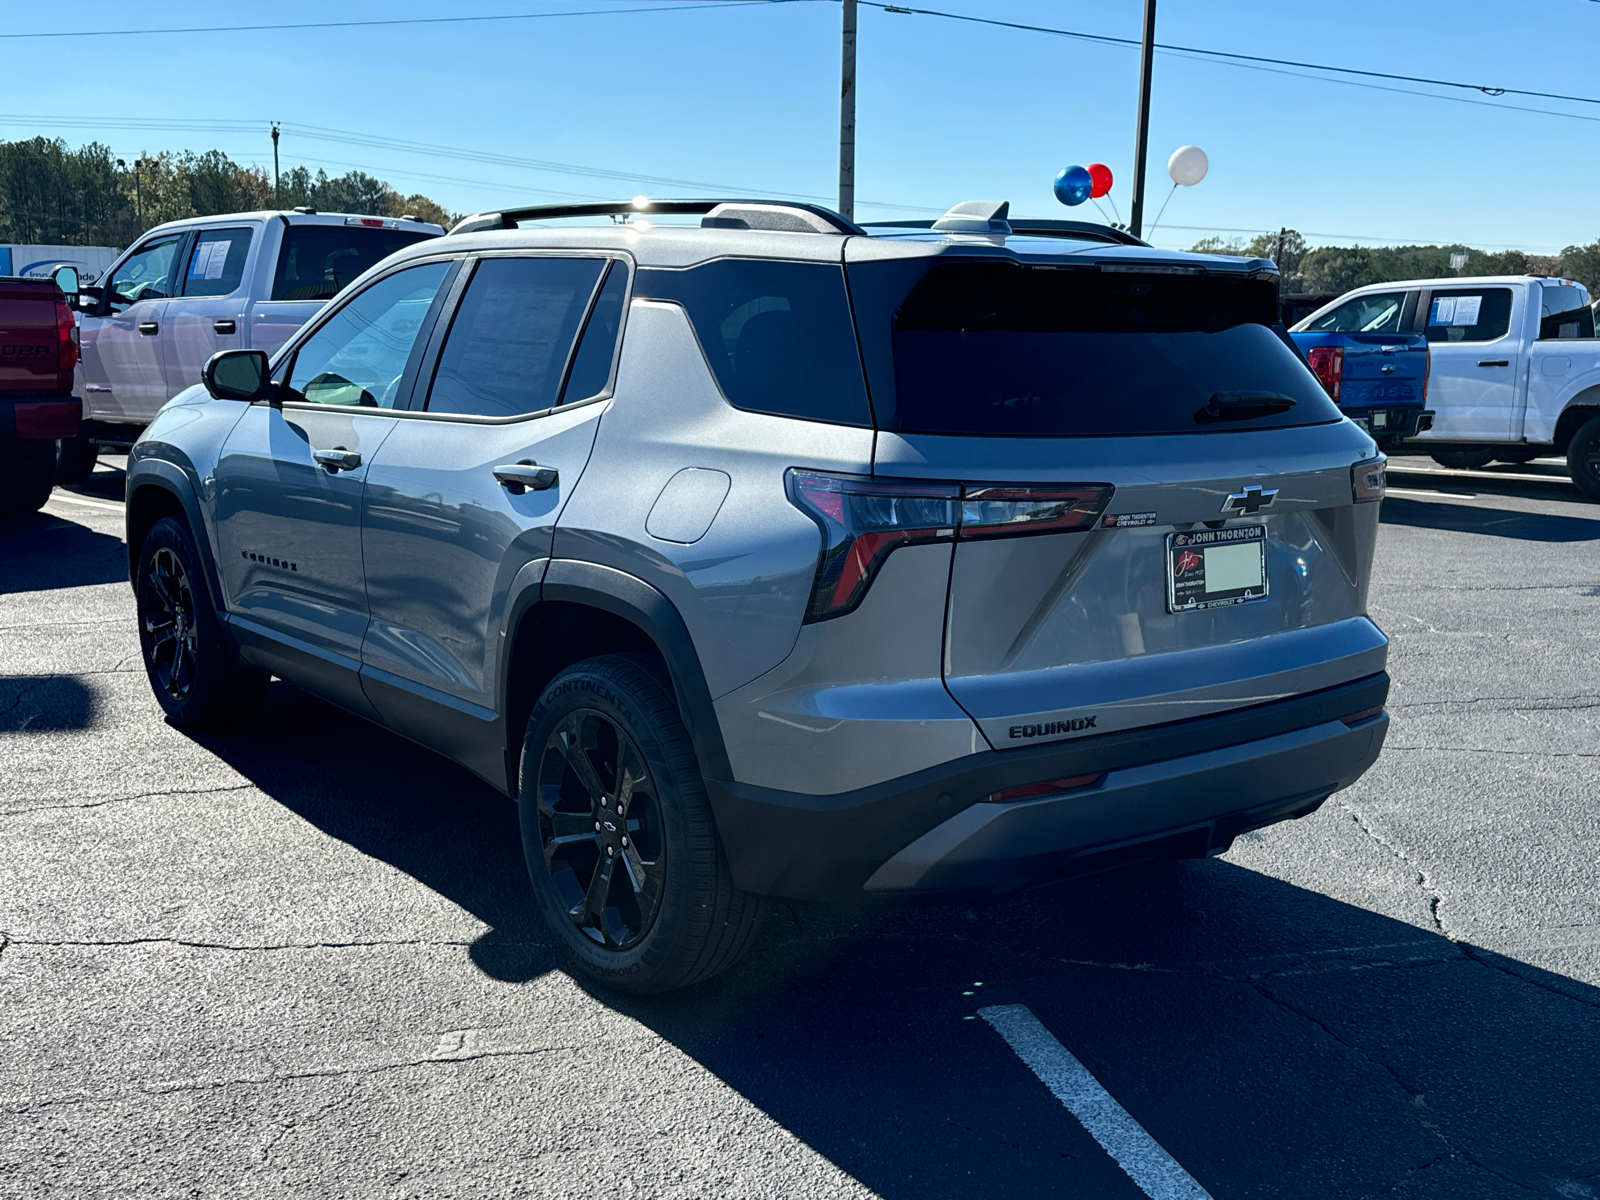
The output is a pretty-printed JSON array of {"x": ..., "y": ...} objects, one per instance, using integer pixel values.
[{"x": 1373, "y": 360}]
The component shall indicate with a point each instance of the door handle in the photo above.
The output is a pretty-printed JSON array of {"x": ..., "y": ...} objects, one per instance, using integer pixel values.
[
  {"x": 149, "y": 328},
  {"x": 338, "y": 459},
  {"x": 224, "y": 325},
  {"x": 1494, "y": 362},
  {"x": 526, "y": 475}
]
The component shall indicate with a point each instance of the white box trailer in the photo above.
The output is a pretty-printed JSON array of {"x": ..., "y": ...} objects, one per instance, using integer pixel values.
[{"x": 36, "y": 262}]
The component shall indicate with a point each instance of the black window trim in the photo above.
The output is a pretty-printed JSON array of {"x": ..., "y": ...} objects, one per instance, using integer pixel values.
[{"x": 441, "y": 331}]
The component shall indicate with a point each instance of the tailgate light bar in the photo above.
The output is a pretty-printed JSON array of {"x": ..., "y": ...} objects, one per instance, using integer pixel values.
[{"x": 863, "y": 521}]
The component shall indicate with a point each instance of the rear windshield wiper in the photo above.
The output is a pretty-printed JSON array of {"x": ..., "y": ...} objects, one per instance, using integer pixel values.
[{"x": 1243, "y": 406}]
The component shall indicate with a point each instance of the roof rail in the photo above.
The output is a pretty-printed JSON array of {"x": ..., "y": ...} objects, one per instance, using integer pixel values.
[
  {"x": 1038, "y": 227},
  {"x": 507, "y": 218}
]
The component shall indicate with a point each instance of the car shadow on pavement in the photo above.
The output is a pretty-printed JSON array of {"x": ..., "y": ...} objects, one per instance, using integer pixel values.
[
  {"x": 41, "y": 552},
  {"x": 1495, "y": 522},
  {"x": 45, "y": 703},
  {"x": 1274, "y": 1040}
]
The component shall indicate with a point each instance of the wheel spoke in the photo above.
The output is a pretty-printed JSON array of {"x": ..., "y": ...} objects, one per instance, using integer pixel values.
[
  {"x": 578, "y": 759},
  {"x": 592, "y": 914},
  {"x": 645, "y": 878},
  {"x": 631, "y": 777},
  {"x": 567, "y": 827}
]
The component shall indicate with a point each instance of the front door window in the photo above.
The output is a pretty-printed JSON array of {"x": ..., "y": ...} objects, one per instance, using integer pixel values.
[{"x": 145, "y": 275}]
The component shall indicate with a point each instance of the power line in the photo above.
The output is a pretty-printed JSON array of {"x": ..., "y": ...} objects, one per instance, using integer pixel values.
[
  {"x": 592, "y": 12},
  {"x": 1487, "y": 89}
]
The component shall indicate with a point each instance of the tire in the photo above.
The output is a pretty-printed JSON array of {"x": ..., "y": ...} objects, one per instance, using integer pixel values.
[
  {"x": 75, "y": 459},
  {"x": 1583, "y": 458},
  {"x": 27, "y": 473},
  {"x": 1464, "y": 460},
  {"x": 191, "y": 667},
  {"x": 645, "y": 903}
]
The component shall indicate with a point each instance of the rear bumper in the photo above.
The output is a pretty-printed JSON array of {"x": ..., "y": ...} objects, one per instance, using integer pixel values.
[
  {"x": 42, "y": 417},
  {"x": 1391, "y": 424},
  {"x": 1184, "y": 789}
]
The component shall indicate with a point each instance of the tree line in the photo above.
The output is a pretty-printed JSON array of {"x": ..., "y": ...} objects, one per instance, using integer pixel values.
[
  {"x": 1337, "y": 269},
  {"x": 56, "y": 196}
]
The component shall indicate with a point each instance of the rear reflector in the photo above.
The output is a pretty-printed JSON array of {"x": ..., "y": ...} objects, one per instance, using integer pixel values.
[
  {"x": 1356, "y": 718},
  {"x": 1050, "y": 787},
  {"x": 864, "y": 520}
]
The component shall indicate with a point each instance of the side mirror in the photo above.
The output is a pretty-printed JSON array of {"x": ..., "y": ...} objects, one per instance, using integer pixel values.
[
  {"x": 67, "y": 280},
  {"x": 237, "y": 375},
  {"x": 88, "y": 299}
]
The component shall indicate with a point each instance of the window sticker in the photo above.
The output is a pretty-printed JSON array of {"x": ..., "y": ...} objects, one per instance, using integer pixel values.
[
  {"x": 209, "y": 260},
  {"x": 1444, "y": 311},
  {"x": 1467, "y": 310}
]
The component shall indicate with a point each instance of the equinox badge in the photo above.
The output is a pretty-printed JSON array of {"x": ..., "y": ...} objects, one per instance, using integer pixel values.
[{"x": 1250, "y": 501}]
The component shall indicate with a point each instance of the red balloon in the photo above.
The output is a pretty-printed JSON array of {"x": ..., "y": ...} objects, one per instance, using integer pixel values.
[{"x": 1100, "y": 175}]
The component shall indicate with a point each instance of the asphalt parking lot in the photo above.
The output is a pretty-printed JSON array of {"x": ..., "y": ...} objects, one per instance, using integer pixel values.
[{"x": 300, "y": 960}]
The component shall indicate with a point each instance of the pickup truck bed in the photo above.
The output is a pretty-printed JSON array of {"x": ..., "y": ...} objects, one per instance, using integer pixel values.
[{"x": 38, "y": 351}]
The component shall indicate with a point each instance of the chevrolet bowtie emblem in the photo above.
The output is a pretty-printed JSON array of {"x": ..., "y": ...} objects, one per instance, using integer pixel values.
[{"x": 1250, "y": 501}]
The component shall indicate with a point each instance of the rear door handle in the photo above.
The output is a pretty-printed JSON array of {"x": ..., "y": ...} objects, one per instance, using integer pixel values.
[
  {"x": 149, "y": 328},
  {"x": 527, "y": 475},
  {"x": 338, "y": 459},
  {"x": 1494, "y": 362},
  {"x": 225, "y": 325}
]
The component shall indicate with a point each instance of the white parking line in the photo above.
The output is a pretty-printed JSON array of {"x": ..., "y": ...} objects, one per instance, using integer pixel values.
[
  {"x": 1155, "y": 1171},
  {"x": 74, "y": 498}
]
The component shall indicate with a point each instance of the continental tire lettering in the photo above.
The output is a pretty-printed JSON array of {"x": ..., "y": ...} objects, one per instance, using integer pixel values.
[{"x": 1076, "y": 725}]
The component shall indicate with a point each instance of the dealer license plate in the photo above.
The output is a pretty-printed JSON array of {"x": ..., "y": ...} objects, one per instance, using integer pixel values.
[{"x": 1213, "y": 568}]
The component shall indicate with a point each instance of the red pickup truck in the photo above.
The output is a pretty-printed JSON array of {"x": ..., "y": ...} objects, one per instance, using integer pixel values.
[{"x": 38, "y": 351}]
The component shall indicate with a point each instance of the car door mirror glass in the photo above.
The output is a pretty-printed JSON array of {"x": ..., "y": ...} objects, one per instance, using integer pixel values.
[
  {"x": 236, "y": 375},
  {"x": 67, "y": 280}
]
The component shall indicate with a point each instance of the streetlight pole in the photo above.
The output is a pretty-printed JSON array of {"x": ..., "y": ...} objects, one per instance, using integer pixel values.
[
  {"x": 1147, "y": 55},
  {"x": 847, "y": 113},
  {"x": 277, "y": 179}
]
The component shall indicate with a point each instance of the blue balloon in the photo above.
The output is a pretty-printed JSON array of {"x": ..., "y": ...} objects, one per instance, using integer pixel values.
[{"x": 1073, "y": 186}]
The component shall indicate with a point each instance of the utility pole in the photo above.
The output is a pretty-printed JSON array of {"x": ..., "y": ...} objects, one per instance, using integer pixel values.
[
  {"x": 1147, "y": 56},
  {"x": 1277, "y": 254},
  {"x": 847, "y": 113},
  {"x": 138, "y": 199},
  {"x": 277, "y": 180}
]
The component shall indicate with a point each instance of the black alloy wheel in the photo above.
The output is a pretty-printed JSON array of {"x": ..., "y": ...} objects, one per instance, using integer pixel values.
[
  {"x": 1583, "y": 458},
  {"x": 171, "y": 626},
  {"x": 601, "y": 829}
]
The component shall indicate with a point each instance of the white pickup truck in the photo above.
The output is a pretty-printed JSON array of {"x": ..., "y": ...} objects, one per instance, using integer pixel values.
[
  {"x": 190, "y": 288},
  {"x": 1515, "y": 369}
]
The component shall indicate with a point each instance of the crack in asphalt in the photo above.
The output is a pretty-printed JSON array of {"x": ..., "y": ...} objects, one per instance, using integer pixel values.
[
  {"x": 104, "y": 800},
  {"x": 1534, "y": 703},
  {"x": 1487, "y": 750},
  {"x": 1424, "y": 880}
]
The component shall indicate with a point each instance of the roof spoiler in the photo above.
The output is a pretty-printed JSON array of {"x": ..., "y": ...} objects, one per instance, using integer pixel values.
[
  {"x": 1034, "y": 227},
  {"x": 790, "y": 215}
]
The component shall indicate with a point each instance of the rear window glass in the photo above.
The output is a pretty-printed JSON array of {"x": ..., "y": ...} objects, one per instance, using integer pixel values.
[
  {"x": 316, "y": 261},
  {"x": 1469, "y": 315},
  {"x": 1001, "y": 349},
  {"x": 1377, "y": 313},
  {"x": 1564, "y": 313},
  {"x": 778, "y": 335}
]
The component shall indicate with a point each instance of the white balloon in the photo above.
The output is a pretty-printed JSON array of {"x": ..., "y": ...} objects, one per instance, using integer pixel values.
[{"x": 1188, "y": 165}]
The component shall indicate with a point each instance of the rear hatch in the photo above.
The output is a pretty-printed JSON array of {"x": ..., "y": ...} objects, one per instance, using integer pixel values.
[{"x": 1216, "y": 556}]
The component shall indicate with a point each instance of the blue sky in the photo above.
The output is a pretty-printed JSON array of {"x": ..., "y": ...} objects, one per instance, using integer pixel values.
[{"x": 745, "y": 97}]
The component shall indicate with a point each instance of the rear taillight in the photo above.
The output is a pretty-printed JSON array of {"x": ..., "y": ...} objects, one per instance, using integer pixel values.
[
  {"x": 863, "y": 521},
  {"x": 1368, "y": 479},
  {"x": 1327, "y": 364},
  {"x": 66, "y": 338}
]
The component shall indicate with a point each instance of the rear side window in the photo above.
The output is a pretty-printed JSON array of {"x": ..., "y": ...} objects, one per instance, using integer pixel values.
[
  {"x": 512, "y": 336},
  {"x": 1469, "y": 315},
  {"x": 1002, "y": 349},
  {"x": 1564, "y": 312},
  {"x": 591, "y": 365},
  {"x": 778, "y": 335},
  {"x": 316, "y": 261},
  {"x": 216, "y": 264},
  {"x": 1377, "y": 313}
]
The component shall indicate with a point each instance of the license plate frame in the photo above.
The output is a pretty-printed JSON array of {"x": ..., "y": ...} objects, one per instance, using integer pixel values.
[{"x": 1189, "y": 566}]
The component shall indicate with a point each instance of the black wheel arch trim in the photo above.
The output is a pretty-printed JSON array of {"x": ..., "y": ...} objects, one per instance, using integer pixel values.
[
  {"x": 623, "y": 595},
  {"x": 169, "y": 477}
]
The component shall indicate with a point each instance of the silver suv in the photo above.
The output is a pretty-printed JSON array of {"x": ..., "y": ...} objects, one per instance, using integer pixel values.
[{"x": 775, "y": 556}]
